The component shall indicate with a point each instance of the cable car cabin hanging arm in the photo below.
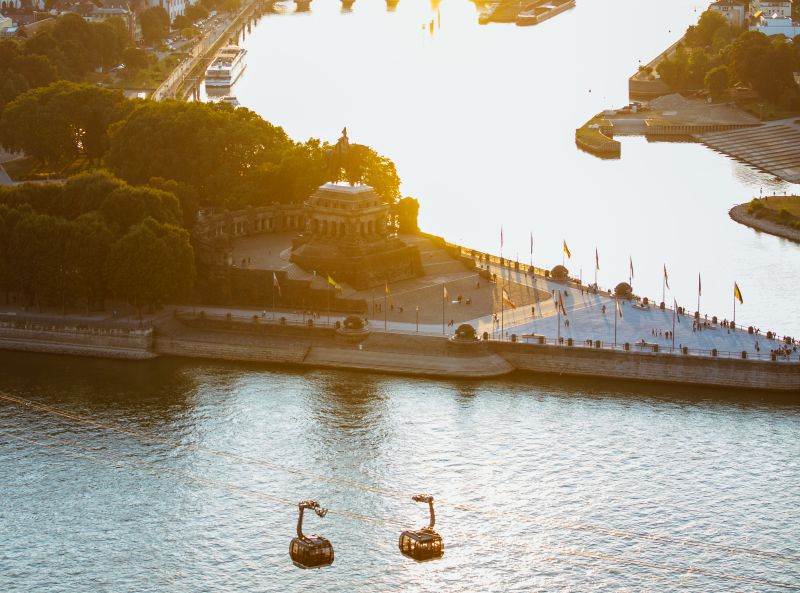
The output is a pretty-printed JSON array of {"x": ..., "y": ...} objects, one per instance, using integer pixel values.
[
  {"x": 429, "y": 499},
  {"x": 308, "y": 504}
]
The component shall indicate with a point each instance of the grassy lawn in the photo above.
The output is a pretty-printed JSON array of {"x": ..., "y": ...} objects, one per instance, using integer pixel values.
[
  {"x": 29, "y": 169},
  {"x": 778, "y": 203}
]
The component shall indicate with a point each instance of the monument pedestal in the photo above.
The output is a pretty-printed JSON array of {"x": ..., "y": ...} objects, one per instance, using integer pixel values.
[{"x": 349, "y": 236}]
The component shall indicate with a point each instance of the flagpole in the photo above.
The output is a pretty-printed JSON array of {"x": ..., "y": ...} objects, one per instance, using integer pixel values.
[
  {"x": 443, "y": 299},
  {"x": 558, "y": 326},
  {"x": 699, "y": 289},
  {"x": 616, "y": 312},
  {"x": 664, "y": 287},
  {"x": 734, "y": 310},
  {"x": 502, "y": 310},
  {"x": 273, "y": 297},
  {"x": 329, "y": 304},
  {"x": 674, "y": 312},
  {"x": 385, "y": 310}
]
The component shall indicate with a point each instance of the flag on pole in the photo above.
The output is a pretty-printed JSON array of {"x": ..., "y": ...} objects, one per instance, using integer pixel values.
[
  {"x": 676, "y": 310},
  {"x": 596, "y": 260},
  {"x": 630, "y": 260},
  {"x": 501, "y": 236},
  {"x": 699, "y": 286},
  {"x": 444, "y": 292},
  {"x": 276, "y": 284},
  {"x": 387, "y": 287},
  {"x": 333, "y": 283},
  {"x": 666, "y": 276},
  {"x": 737, "y": 294},
  {"x": 507, "y": 299},
  {"x": 531, "y": 243},
  {"x": 561, "y": 305},
  {"x": 619, "y": 309},
  {"x": 566, "y": 250}
]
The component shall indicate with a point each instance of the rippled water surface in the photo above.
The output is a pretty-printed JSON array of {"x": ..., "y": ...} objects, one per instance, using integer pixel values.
[{"x": 181, "y": 477}]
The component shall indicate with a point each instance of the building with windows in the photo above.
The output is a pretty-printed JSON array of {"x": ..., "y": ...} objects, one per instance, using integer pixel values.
[
  {"x": 777, "y": 26},
  {"x": 733, "y": 11},
  {"x": 173, "y": 7},
  {"x": 349, "y": 235},
  {"x": 771, "y": 8}
]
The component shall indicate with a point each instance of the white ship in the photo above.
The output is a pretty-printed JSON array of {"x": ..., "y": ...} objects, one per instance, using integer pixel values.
[{"x": 226, "y": 67}]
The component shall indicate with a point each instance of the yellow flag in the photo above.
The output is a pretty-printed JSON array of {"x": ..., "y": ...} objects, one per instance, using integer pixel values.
[
  {"x": 737, "y": 294},
  {"x": 566, "y": 250},
  {"x": 333, "y": 283},
  {"x": 387, "y": 287}
]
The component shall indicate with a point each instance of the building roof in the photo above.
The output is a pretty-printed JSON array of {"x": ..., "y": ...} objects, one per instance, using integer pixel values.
[{"x": 728, "y": 3}]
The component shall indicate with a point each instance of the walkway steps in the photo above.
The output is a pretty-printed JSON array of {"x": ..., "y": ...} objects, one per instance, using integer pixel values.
[{"x": 773, "y": 148}]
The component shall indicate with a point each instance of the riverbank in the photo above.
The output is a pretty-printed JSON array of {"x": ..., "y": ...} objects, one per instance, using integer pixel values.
[
  {"x": 316, "y": 344},
  {"x": 743, "y": 214}
]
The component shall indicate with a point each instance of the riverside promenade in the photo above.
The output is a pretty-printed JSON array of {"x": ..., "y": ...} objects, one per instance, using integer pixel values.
[{"x": 530, "y": 336}]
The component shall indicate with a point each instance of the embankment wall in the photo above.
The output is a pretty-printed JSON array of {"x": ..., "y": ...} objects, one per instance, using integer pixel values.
[
  {"x": 661, "y": 367},
  {"x": 101, "y": 343}
]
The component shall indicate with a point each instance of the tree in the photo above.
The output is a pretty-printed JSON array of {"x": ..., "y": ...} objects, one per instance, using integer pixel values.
[
  {"x": 127, "y": 206},
  {"x": 717, "y": 81},
  {"x": 196, "y": 13},
  {"x": 216, "y": 150},
  {"x": 151, "y": 264},
  {"x": 86, "y": 251},
  {"x": 407, "y": 212},
  {"x": 181, "y": 22},
  {"x": 765, "y": 64},
  {"x": 154, "y": 23},
  {"x": 708, "y": 25},
  {"x": 56, "y": 123}
]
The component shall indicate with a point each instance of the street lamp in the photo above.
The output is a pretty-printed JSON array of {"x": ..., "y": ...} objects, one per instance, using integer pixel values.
[{"x": 417, "y": 318}]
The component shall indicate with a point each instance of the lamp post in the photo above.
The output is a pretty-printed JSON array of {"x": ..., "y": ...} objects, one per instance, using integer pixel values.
[{"x": 417, "y": 318}]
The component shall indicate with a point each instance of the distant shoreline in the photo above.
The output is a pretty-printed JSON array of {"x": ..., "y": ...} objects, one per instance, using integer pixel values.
[{"x": 740, "y": 215}]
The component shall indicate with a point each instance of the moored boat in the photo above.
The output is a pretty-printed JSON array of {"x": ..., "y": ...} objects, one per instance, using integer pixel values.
[{"x": 226, "y": 67}]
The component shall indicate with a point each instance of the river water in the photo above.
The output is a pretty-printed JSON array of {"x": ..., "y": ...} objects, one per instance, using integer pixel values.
[{"x": 181, "y": 476}]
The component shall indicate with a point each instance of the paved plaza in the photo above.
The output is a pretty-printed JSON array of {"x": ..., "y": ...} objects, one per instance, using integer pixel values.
[{"x": 590, "y": 315}]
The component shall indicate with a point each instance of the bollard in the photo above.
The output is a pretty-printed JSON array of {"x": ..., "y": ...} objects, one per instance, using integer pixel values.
[
  {"x": 773, "y": 356},
  {"x": 569, "y": 342},
  {"x": 655, "y": 347},
  {"x": 541, "y": 339},
  {"x": 714, "y": 352},
  {"x": 597, "y": 343},
  {"x": 485, "y": 336},
  {"x": 685, "y": 349},
  {"x": 513, "y": 338},
  {"x": 626, "y": 346},
  {"x": 337, "y": 325},
  {"x": 744, "y": 353}
]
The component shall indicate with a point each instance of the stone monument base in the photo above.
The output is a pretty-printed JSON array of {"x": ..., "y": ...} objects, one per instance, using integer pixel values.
[{"x": 397, "y": 262}]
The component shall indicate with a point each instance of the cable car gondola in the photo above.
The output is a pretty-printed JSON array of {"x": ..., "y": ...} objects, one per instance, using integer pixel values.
[
  {"x": 424, "y": 543},
  {"x": 310, "y": 551}
]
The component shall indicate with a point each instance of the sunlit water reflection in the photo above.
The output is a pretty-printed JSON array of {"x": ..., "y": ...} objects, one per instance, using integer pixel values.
[{"x": 542, "y": 486}]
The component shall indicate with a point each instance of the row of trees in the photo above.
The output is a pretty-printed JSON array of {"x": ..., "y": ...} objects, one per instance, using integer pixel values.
[
  {"x": 91, "y": 238},
  {"x": 67, "y": 50},
  {"x": 217, "y": 156},
  {"x": 714, "y": 56}
]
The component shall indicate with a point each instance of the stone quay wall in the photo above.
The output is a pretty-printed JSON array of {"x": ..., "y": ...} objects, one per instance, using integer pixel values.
[
  {"x": 401, "y": 353},
  {"x": 132, "y": 344},
  {"x": 652, "y": 367}
]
